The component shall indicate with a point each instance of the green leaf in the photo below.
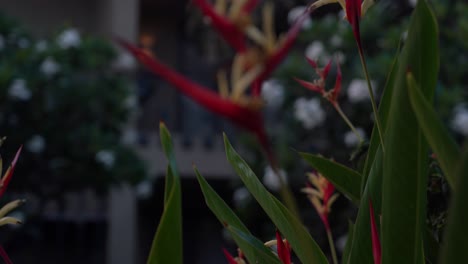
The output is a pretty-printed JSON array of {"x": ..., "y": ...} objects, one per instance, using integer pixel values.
[
  {"x": 349, "y": 242},
  {"x": 290, "y": 227},
  {"x": 448, "y": 153},
  {"x": 384, "y": 107},
  {"x": 253, "y": 249},
  {"x": 167, "y": 242},
  {"x": 456, "y": 241},
  {"x": 361, "y": 247},
  {"x": 405, "y": 167},
  {"x": 345, "y": 179},
  {"x": 250, "y": 245}
]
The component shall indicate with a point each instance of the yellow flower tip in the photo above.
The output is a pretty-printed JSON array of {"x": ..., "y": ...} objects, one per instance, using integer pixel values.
[
  {"x": 11, "y": 206},
  {"x": 366, "y": 4},
  {"x": 7, "y": 220},
  {"x": 331, "y": 201}
]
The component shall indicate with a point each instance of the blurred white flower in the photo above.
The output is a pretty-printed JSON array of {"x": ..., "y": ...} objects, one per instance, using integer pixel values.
[
  {"x": 358, "y": 91},
  {"x": 351, "y": 140},
  {"x": 273, "y": 93},
  {"x": 413, "y": 2},
  {"x": 144, "y": 189},
  {"x": 295, "y": 13},
  {"x": 131, "y": 102},
  {"x": 69, "y": 38},
  {"x": 124, "y": 62},
  {"x": 36, "y": 144},
  {"x": 23, "y": 43},
  {"x": 336, "y": 40},
  {"x": 270, "y": 179},
  {"x": 404, "y": 35},
  {"x": 49, "y": 67},
  {"x": 309, "y": 112},
  {"x": 460, "y": 120},
  {"x": 129, "y": 136},
  {"x": 2, "y": 42},
  {"x": 240, "y": 197},
  {"x": 340, "y": 57},
  {"x": 106, "y": 158},
  {"x": 315, "y": 50},
  {"x": 19, "y": 90},
  {"x": 41, "y": 45},
  {"x": 341, "y": 243}
]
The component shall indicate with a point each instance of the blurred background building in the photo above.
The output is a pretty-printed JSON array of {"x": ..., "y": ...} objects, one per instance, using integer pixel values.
[
  {"x": 85, "y": 224},
  {"x": 121, "y": 226}
]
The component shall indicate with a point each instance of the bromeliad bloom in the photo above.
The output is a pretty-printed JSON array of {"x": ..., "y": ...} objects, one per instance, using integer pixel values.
[
  {"x": 243, "y": 111},
  {"x": 250, "y": 66},
  {"x": 318, "y": 86},
  {"x": 320, "y": 193},
  {"x": 354, "y": 9},
  {"x": 235, "y": 25},
  {"x": 230, "y": 23},
  {"x": 322, "y": 198},
  {"x": 376, "y": 248},
  {"x": 234, "y": 260},
  {"x": 4, "y": 181},
  {"x": 282, "y": 247}
]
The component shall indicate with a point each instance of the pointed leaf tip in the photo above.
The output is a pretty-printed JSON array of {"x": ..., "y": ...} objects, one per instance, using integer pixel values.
[
  {"x": 229, "y": 257},
  {"x": 376, "y": 248}
]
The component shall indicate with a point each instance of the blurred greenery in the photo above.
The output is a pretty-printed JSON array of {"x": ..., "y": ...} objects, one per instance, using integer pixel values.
[{"x": 61, "y": 98}]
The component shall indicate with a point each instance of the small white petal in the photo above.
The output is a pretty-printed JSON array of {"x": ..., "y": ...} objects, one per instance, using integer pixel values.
[
  {"x": 36, "y": 144},
  {"x": 49, "y": 67},
  {"x": 270, "y": 179},
  {"x": 240, "y": 197},
  {"x": 460, "y": 120},
  {"x": 309, "y": 112},
  {"x": 295, "y": 13},
  {"x": 273, "y": 93},
  {"x": 69, "y": 38},
  {"x": 358, "y": 91},
  {"x": 19, "y": 90},
  {"x": 350, "y": 138},
  {"x": 106, "y": 158}
]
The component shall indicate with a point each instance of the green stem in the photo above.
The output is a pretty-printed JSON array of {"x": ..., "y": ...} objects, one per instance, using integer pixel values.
[
  {"x": 332, "y": 246},
  {"x": 371, "y": 93},
  {"x": 348, "y": 122}
]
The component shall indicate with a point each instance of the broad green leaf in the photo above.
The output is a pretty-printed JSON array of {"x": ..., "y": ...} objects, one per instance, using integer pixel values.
[
  {"x": 167, "y": 242},
  {"x": 253, "y": 249},
  {"x": 250, "y": 245},
  {"x": 405, "y": 166},
  {"x": 361, "y": 247},
  {"x": 349, "y": 243},
  {"x": 290, "y": 227},
  {"x": 455, "y": 245},
  {"x": 447, "y": 151},
  {"x": 345, "y": 179},
  {"x": 384, "y": 107},
  {"x": 371, "y": 183}
]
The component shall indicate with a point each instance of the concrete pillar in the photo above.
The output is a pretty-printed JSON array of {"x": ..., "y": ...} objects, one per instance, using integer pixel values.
[{"x": 122, "y": 220}]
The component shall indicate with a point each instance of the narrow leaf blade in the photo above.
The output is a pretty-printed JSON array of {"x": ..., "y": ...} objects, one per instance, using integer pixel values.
[{"x": 302, "y": 243}]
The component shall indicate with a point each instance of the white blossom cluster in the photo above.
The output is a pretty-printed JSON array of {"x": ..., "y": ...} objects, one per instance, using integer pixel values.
[
  {"x": 19, "y": 90},
  {"x": 350, "y": 138},
  {"x": 69, "y": 38},
  {"x": 273, "y": 93},
  {"x": 295, "y": 13},
  {"x": 271, "y": 179},
  {"x": 460, "y": 119},
  {"x": 106, "y": 158},
  {"x": 309, "y": 112}
]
